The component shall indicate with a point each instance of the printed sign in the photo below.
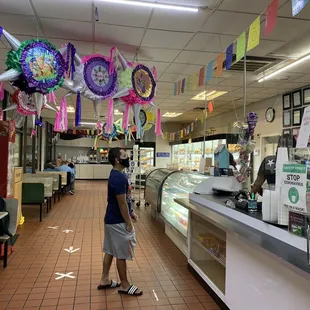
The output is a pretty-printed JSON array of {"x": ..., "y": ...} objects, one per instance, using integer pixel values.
[
  {"x": 162, "y": 154},
  {"x": 294, "y": 187}
]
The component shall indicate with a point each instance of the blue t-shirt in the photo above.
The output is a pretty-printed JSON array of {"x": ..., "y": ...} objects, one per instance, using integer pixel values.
[{"x": 117, "y": 185}]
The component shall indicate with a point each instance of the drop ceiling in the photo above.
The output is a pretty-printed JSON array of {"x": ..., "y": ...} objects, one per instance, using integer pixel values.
[{"x": 177, "y": 43}]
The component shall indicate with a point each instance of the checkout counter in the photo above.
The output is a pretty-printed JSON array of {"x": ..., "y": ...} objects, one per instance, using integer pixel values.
[{"x": 247, "y": 262}]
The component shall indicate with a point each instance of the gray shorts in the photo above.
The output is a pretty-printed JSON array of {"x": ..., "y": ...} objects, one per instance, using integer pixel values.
[{"x": 118, "y": 241}]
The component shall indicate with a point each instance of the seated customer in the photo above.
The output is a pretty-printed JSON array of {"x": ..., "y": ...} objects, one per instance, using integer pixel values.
[
  {"x": 50, "y": 167},
  {"x": 64, "y": 167}
]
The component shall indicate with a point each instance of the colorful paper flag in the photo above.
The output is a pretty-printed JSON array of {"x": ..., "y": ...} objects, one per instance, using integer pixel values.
[
  {"x": 254, "y": 34},
  {"x": 229, "y": 56},
  {"x": 194, "y": 81},
  {"x": 209, "y": 71},
  {"x": 188, "y": 83},
  {"x": 201, "y": 76},
  {"x": 271, "y": 17},
  {"x": 298, "y": 6},
  {"x": 183, "y": 86},
  {"x": 210, "y": 106},
  {"x": 179, "y": 87},
  {"x": 219, "y": 65},
  {"x": 241, "y": 45},
  {"x": 175, "y": 88}
]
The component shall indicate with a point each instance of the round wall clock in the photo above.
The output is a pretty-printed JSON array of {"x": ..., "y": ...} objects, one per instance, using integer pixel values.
[{"x": 270, "y": 115}]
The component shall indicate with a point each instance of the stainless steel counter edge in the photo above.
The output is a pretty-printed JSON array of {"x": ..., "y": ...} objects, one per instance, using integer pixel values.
[{"x": 287, "y": 247}]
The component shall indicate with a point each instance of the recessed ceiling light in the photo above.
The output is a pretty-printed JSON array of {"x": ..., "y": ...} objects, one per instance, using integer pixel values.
[
  {"x": 69, "y": 109},
  {"x": 172, "y": 114},
  {"x": 209, "y": 96},
  {"x": 155, "y": 5}
]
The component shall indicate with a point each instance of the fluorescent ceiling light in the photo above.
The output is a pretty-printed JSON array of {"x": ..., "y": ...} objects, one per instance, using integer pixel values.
[
  {"x": 69, "y": 109},
  {"x": 88, "y": 124},
  {"x": 117, "y": 112},
  {"x": 291, "y": 65},
  {"x": 155, "y": 5},
  {"x": 172, "y": 114},
  {"x": 209, "y": 96}
]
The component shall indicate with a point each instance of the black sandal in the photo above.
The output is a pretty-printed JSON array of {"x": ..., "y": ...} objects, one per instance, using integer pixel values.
[
  {"x": 132, "y": 291},
  {"x": 113, "y": 284}
]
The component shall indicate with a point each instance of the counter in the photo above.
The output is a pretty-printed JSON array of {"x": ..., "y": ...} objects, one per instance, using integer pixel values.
[
  {"x": 247, "y": 263},
  {"x": 93, "y": 171}
]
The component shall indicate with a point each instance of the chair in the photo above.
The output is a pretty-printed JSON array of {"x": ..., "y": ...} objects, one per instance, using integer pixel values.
[
  {"x": 12, "y": 209},
  {"x": 33, "y": 194},
  {"x": 56, "y": 182},
  {"x": 48, "y": 186}
]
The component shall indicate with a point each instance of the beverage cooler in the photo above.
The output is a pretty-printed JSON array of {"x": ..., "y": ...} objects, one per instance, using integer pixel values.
[{"x": 162, "y": 187}]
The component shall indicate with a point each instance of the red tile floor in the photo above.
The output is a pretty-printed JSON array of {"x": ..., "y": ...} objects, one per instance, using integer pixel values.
[{"x": 159, "y": 268}]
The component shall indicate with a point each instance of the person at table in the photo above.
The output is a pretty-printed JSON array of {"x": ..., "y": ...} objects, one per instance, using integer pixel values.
[
  {"x": 50, "y": 167},
  {"x": 267, "y": 169},
  {"x": 64, "y": 167}
]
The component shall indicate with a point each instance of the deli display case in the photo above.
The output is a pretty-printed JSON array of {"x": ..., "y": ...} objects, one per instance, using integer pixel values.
[{"x": 162, "y": 187}]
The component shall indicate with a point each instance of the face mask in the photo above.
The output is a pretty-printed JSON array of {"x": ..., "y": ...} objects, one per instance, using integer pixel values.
[{"x": 124, "y": 162}]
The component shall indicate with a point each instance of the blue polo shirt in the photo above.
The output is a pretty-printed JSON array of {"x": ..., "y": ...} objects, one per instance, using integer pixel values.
[{"x": 117, "y": 185}]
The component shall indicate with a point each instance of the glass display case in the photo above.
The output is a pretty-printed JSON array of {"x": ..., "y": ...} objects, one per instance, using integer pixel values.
[
  {"x": 178, "y": 185},
  {"x": 208, "y": 252},
  {"x": 188, "y": 156}
]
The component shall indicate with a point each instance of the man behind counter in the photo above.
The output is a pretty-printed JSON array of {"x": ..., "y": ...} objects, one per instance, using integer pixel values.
[{"x": 267, "y": 169}]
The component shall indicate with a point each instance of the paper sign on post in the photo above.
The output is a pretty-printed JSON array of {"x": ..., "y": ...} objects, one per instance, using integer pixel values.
[
  {"x": 294, "y": 187},
  {"x": 304, "y": 132}
]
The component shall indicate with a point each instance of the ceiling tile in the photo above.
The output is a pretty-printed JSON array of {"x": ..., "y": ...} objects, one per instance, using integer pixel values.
[
  {"x": 218, "y": 22},
  {"x": 157, "y": 54},
  {"x": 286, "y": 11},
  {"x": 69, "y": 9},
  {"x": 82, "y": 48},
  {"x": 210, "y": 42},
  {"x": 15, "y": 7},
  {"x": 195, "y": 58},
  {"x": 160, "y": 66},
  {"x": 288, "y": 29},
  {"x": 118, "y": 34},
  {"x": 183, "y": 69},
  {"x": 245, "y": 6},
  {"x": 116, "y": 14},
  {"x": 25, "y": 25},
  {"x": 67, "y": 30},
  {"x": 164, "y": 39},
  {"x": 180, "y": 21},
  {"x": 265, "y": 48}
]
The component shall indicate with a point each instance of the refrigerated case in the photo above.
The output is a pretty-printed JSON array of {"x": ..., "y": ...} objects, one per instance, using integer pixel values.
[
  {"x": 162, "y": 187},
  {"x": 188, "y": 155},
  {"x": 178, "y": 185}
]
